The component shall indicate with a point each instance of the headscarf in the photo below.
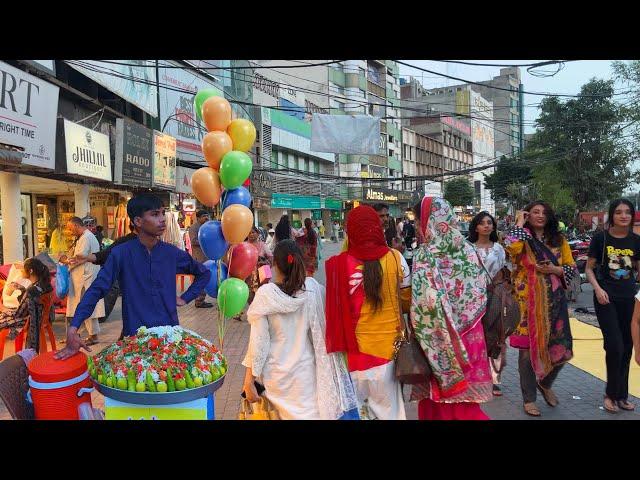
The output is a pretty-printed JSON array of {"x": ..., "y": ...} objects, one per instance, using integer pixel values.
[
  {"x": 366, "y": 238},
  {"x": 366, "y": 243},
  {"x": 448, "y": 296}
]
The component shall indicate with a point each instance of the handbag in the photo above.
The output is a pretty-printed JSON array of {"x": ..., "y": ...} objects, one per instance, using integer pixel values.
[
  {"x": 411, "y": 364},
  {"x": 262, "y": 410},
  {"x": 503, "y": 313}
]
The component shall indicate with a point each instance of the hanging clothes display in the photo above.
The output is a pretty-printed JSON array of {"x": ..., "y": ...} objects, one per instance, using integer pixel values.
[
  {"x": 172, "y": 234},
  {"x": 121, "y": 222}
]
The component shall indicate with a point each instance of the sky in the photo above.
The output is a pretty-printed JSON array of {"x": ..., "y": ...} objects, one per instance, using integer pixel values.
[{"x": 568, "y": 80}]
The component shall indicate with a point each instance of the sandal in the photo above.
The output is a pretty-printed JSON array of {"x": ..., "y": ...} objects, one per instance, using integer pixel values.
[
  {"x": 497, "y": 392},
  {"x": 611, "y": 407},
  {"x": 549, "y": 396},
  {"x": 532, "y": 409},
  {"x": 626, "y": 405}
]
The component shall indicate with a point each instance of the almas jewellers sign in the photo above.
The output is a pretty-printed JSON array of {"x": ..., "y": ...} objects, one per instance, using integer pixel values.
[{"x": 86, "y": 153}]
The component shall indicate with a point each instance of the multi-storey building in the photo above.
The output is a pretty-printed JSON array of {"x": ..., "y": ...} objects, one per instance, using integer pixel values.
[{"x": 371, "y": 87}]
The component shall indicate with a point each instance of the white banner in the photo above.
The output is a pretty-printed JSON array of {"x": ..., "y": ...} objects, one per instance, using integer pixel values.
[
  {"x": 28, "y": 110},
  {"x": 350, "y": 134},
  {"x": 88, "y": 152},
  {"x": 183, "y": 179}
]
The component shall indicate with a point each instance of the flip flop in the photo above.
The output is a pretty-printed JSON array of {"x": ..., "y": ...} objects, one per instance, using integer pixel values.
[
  {"x": 626, "y": 405},
  {"x": 532, "y": 410},
  {"x": 549, "y": 396},
  {"x": 497, "y": 392},
  {"x": 613, "y": 409}
]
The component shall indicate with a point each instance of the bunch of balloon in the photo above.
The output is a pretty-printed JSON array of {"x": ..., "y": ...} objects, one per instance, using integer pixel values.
[{"x": 224, "y": 148}]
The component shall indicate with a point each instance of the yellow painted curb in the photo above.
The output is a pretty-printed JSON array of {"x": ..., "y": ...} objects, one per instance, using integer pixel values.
[{"x": 588, "y": 354}]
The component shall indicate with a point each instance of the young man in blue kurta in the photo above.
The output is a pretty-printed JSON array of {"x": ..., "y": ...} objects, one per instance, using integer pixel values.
[{"x": 146, "y": 269}]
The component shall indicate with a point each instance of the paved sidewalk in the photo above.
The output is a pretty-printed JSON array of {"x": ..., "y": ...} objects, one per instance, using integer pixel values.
[{"x": 580, "y": 393}]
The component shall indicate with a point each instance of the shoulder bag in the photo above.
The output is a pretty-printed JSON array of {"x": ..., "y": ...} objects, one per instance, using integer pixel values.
[
  {"x": 503, "y": 313},
  {"x": 411, "y": 364}
]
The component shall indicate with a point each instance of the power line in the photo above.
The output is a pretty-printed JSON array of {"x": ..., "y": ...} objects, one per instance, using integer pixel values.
[
  {"x": 501, "y": 88},
  {"x": 537, "y": 64},
  {"x": 226, "y": 68}
]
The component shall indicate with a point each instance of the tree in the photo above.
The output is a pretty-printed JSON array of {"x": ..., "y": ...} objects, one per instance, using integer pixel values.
[
  {"x": 459, "y": 192},
  {"x": 547, "y": 181},
  {"x": 511, "y": 181},
  {"x": 583, "y": 139},
  {"x": 509, "y": 174}
]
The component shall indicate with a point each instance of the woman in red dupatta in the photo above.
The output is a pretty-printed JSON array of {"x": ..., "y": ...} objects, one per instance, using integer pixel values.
[
  {"x": 449, "y": 297},
  {"x": 363, "y": 313},
  {"x": 308, "y": 244}
]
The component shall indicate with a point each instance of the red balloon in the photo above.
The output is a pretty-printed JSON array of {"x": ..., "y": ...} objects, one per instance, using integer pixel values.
[
  {"x": 247, "y": 182},
  {"x": 243, "y": 258}
]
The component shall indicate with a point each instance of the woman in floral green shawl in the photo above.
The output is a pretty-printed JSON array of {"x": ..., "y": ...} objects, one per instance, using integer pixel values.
[{"x": 449, "y": 297}]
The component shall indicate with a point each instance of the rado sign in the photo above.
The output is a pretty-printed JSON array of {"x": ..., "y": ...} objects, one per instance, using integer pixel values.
[
  {"x": 134, "y": 151},
  {"x": 86, "y": 153}
]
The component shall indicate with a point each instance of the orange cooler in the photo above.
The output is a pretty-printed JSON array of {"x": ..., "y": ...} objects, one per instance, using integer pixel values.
[{"x": 58, "y": 387}]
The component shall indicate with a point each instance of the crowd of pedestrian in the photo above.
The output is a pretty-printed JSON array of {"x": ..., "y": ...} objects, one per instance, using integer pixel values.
[{"x": 332, "y": 353}]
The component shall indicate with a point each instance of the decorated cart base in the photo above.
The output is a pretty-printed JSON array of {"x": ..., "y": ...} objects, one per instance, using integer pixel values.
[
  {"x": 200, "y": 409},
  {"x": 192, "y": 404}
]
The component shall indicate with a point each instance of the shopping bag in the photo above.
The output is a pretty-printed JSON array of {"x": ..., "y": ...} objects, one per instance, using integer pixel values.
[
  {"x": 62, "y": 281},
  {"x": 264, "y": 272},
  {"x": 262, "y": 410}
]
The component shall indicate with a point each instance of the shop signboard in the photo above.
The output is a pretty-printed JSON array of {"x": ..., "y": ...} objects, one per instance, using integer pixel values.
[
  {"x": 331, "y": 204},
  {"x": 164, "y": 161},
  {"x": 183, "y": 179},
  {"x": 282, "y": 200},
  {"x": 261, "y": 183},
  {"x": 134, "y": 80},
  {"x": 28, "y": 111},
  {"x": 373, "y": 194},
  {"x": 177, "y": 113},
  {"x": 134, "y": 153},
  {"x": 87, "y": 153}
]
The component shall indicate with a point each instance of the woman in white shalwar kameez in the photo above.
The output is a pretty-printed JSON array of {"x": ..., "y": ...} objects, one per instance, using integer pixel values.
[{"x": 287, "y": 352}]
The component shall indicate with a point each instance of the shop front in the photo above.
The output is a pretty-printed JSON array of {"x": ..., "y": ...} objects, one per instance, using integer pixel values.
[
  {"x": 398, "y": 200},
  {"x": 299, "y": 207}
]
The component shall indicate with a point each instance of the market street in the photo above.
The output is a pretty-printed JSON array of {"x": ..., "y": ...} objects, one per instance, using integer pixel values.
[{"x": 579, "y": 392}]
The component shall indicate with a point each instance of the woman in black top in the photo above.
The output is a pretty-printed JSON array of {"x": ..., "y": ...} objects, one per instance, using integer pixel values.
[{"x": 614, "y": 254}]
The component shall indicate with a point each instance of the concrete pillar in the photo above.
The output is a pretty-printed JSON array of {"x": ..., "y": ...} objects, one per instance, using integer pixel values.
[
  {"x": 81, "y": 194},
  {"x": 12, "y": 248}
]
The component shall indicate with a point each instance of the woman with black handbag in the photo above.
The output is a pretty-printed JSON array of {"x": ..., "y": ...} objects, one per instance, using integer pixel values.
[
  {"x": 615, "y": 253},
  {"x": 484, "y": 237},
  {"x": 543, "y": 267}
]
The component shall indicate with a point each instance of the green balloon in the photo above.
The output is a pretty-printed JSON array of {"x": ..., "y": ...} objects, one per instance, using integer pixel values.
[
  {"x": 233, "y": 294},
  {"x": 201, "y": 97},
  {"x": 235, "y": 168}
]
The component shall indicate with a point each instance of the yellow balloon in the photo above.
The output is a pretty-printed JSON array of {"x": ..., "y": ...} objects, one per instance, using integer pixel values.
[
  {"x": 205, "y": 184},
  {"x": 242, "y": 133},
  {"x": 237, "y": 221}
]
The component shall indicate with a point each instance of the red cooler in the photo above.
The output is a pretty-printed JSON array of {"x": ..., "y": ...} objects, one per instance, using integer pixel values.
[{"x": 58, "y": 387}]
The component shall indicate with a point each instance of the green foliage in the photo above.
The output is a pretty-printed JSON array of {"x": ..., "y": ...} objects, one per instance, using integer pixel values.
[
  {"x": 582, "y": 138},
  {"x": 459, "y": 192},
  {"x": 509, "y": 174}
]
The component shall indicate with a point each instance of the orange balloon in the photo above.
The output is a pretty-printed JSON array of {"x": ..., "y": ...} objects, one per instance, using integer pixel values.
[
  {"x": 216, "y": 145},
  {"x": 237, "y": 221},
  {"x": 205, "y": 184},
  {"x": 216, "y": 113}
]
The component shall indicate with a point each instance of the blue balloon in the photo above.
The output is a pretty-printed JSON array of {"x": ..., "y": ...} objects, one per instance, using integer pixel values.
[
  {"x": 212, "y": 240},
  {"x": 212, "y": 287},
  {"x": 238, "y": 195}
]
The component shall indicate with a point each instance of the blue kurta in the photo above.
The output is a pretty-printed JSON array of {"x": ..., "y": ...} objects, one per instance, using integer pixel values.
[{"x": 147, "y": 282}]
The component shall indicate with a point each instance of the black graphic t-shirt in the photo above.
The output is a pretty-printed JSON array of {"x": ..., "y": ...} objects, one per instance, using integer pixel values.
[{"x": 616, "y": 272}]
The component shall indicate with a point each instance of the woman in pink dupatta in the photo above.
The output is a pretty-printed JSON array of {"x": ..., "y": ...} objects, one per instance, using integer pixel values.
[{"x": 449, "y": 297}]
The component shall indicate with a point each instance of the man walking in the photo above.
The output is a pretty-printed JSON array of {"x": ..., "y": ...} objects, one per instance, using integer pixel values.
[
  {"x": 82, "y": 276},
  {"x": 198, "y": 255}
]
